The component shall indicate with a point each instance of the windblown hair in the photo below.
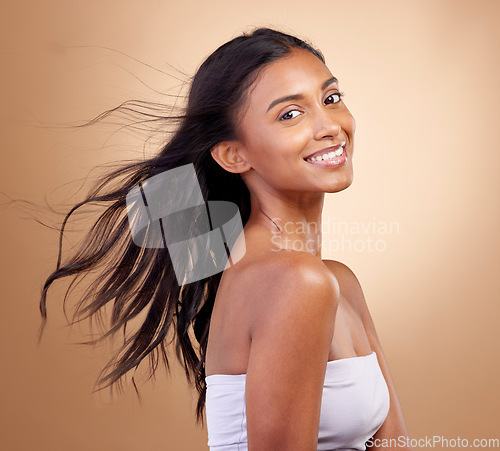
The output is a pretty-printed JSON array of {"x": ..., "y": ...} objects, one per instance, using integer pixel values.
[{"x": 139, "y": 280}]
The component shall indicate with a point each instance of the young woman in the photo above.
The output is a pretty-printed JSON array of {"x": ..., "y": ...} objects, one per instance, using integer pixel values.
[{"x": 284, "y": 355}]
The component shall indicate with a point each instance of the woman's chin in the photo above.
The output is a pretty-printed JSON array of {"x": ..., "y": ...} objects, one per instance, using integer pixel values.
[{"x": 340, "y": 185}]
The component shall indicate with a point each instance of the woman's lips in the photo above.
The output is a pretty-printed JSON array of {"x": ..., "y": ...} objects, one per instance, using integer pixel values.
[{"x": 334, "y": 162}]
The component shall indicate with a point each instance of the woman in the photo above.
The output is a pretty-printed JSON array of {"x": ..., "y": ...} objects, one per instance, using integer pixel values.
[{"x": 286, "y": 355}]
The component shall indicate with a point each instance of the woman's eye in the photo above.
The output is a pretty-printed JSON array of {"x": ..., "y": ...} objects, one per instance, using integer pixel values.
[
  {"x": 335, "y": 97},
  {"x": 289, "y": 115}
]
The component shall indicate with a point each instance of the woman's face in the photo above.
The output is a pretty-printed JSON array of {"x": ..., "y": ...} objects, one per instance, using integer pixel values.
[{"x": 294, "y": 111}]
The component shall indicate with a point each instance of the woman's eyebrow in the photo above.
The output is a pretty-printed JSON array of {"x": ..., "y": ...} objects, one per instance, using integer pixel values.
[{"x": 300, "y": 96}]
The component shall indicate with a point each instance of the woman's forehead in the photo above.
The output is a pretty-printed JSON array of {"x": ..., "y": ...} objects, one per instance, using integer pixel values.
[{"x": 299, "y": 72}]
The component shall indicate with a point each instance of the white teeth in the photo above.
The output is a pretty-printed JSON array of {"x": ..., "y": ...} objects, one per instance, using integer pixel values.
[{"x": 329, "y": 155}]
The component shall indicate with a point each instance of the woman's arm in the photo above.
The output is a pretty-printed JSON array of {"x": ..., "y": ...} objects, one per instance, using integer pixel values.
[
  {"x": 294, "y": 300},
  {"x": 394, "y": 426}
]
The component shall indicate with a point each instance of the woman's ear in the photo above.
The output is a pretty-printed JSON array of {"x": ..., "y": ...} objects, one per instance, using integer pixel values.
[{"x": 230, "y": 157}]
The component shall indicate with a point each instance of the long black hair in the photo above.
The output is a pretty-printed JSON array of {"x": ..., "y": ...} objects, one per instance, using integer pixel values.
[{"x": 140, "y": 280}]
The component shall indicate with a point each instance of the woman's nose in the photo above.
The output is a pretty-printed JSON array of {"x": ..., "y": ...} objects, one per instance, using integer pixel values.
[{"x": 326, "y": 125}]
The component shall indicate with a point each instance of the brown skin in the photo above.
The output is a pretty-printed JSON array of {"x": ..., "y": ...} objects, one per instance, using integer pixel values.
[{"x": 280, "y": 314}]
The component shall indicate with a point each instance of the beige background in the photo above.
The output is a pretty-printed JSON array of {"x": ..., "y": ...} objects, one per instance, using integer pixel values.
[{"x": 420, "y": 78}]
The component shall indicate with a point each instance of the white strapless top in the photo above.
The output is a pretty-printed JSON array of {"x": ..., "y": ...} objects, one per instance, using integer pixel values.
[{"x": 354, "y": 405}]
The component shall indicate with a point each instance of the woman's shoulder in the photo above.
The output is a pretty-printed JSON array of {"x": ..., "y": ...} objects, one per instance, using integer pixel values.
[
  {"x": 283, "y": 279},
  {"x": 266, "y": 273},
  {"x": 339, "y": 269},
  {"x": 283, "y": 266},
  {"x": 262, "y": 260},
  {"x": 342, "y": 273},
  {"x": 349, "y": 284}
]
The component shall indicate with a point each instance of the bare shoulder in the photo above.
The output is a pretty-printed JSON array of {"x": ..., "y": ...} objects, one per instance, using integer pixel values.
[
  {"x": 342, "y": 272},
  {"x": 348, "y": 283},
  {"x": 290, "y": 278},
  {"x": 351, "y": 290},
  {"x": 294, "y": 299},
  {"x": 298, "y": 264}
]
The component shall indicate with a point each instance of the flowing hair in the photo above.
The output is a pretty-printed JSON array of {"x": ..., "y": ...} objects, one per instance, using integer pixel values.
[{"x": 138, "y": 280}]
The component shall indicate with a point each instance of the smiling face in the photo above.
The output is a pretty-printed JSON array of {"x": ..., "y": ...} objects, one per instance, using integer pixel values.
[{"x": 294, "y": 110}]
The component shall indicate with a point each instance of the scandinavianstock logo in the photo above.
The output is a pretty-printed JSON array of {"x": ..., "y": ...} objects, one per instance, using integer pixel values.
[{"x": 168, "y": 210}]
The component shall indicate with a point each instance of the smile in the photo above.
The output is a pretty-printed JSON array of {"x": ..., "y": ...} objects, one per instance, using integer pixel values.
[{"x": 331, "y": 159}]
